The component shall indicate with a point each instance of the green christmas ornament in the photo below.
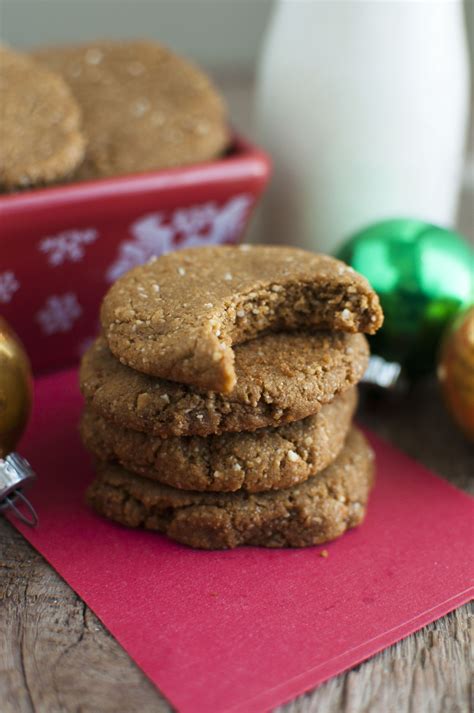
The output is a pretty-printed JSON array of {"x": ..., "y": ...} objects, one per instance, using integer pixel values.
[{"x": 423, "y": 275}]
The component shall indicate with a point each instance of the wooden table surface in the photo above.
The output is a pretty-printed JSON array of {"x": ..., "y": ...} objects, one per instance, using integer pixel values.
[{"x": 55, "y": 656}]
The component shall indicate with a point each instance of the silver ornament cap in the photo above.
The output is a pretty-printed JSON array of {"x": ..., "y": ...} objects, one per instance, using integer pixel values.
[
  {"x": 382, "y": 373},
  {"x": 15, "y": 475}
]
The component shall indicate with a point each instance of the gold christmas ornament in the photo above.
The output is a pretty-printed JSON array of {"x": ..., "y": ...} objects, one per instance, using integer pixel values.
[
  {"x": 15, "y": 389},
  {"x": 456, "y": 371},
  {"x": 15, "y": 407}
]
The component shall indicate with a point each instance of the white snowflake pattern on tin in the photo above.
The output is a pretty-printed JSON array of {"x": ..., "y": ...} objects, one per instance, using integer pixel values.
[
  {"x": 189, "y": 221},
  {"x": 210, "y": 224},
  {"x": 59, "y": 313},
  {"x": 67, "y": 246},
  {"x": 152, "y": 237},
  {"x": 8, "y": 286},
  {"x": 205, "y": 224}
]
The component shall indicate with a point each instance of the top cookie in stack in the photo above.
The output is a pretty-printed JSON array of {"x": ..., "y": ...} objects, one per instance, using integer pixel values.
[
  {"x": 221, "y": 394},
  {"x": 179, "y": 316}
]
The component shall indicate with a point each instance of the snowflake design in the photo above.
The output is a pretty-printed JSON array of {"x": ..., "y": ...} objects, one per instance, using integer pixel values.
[
  {"x": 206, "y": 224},
  {"x": 69, "y": 245},
  {"x": 195, "y": 219},
  {"x": 151, "y": 238},
  {"x": 59, "y": 313},
  {"x": 8, "y": 286}
]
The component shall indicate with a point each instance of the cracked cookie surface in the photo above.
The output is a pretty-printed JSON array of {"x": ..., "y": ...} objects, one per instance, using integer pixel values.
[
  {"x": 40, "y": 135},
  {"x": 179, "y": 316},
  {"x": 316, "y": 511},
  {"x": 267, "y": 459},
  {"x": 281, "y": 378},
  {"x": 144, "y": 107}
]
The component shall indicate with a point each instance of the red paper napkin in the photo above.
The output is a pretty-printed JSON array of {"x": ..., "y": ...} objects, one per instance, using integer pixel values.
[{"x": 249, "y": 629}]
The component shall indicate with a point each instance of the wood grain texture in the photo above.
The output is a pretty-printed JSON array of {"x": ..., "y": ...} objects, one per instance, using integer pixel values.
[{"x": 56, "y": 657}]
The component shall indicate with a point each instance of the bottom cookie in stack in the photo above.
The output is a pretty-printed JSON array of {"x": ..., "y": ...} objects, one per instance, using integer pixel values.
[{"x": 315, "y": 511}]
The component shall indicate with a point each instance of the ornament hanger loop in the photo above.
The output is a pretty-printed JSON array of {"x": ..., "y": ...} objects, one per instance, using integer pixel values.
[
  {"x": 16, "y": 474},
  {"x": 31, "y": 519}
]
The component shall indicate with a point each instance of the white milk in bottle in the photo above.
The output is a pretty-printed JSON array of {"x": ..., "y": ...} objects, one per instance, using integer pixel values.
[{"x": 363, "y": 107}]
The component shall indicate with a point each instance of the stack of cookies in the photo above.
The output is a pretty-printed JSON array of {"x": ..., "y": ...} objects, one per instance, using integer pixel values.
[{"x": 220, "y": 396}]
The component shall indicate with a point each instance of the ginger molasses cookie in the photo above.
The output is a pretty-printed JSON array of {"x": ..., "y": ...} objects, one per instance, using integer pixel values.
[
  {"x": 267, "y": 459},
  {"x": 281, "y": 377},
  {"x": 40, "y": 136},
  {"x": 179, "y": 316},
  {"x": 144, "y": 107},
  {"x": 318, "y": 510}
]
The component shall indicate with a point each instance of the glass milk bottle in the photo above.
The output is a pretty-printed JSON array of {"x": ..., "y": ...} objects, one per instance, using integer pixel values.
[{"x": 363, "y": 107}]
